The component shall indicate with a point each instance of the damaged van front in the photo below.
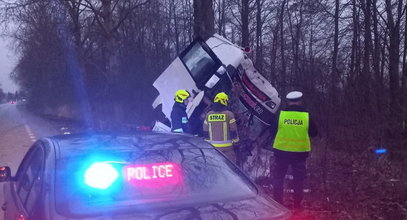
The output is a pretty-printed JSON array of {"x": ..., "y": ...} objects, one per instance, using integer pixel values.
[{"x": 218, "y": 65}]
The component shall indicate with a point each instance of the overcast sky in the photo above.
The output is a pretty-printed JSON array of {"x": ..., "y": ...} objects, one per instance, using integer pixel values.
[{"x": 7, "y": 63}]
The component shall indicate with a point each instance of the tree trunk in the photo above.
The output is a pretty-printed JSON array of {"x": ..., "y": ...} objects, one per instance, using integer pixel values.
[
  {"x": 273, "y": 54},
  {"x": 394, "y": 38},
  {"x": 204, "y": 19},
  {"x": 404, "y": 75},
  {"x": 297, "y": 69},
  {"x": 334, "y": 70},
  {"x": 378, "y": 82},
  {"x": 259, "y": 33},
  {"x": 222, "y": 17},
  {"x": 112, "y": 92},
  {"x": 109, "y": 48},
  {"x": 364, "y": 80},
  {"x": 282, "y": 49},
  {"x": 354, "y": 69},
  {"x": 176, "y": 32},
  {"x": 311, "y": 58},
  {"x": 245, "y": 23},
  {"x": 74, "y": 12}
]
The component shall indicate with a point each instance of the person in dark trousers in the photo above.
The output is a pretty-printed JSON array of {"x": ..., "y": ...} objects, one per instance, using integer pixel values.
[
  {"x": 292, "y": 146},
  {"x": 179, "y": 117},
  {"x": 220, "y": 127}
]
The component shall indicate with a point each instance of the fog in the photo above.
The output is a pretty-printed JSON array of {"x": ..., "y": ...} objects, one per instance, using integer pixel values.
[{"x": 7, "y": 62}]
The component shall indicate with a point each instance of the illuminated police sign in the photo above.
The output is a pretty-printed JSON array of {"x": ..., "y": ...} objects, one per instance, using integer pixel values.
[
  {"x": 150, "y": 172},
  {"x": 153, "y": 175}
]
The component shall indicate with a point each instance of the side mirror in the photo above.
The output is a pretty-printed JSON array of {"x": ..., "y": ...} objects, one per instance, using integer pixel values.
[{"x": 5, "y": 174}]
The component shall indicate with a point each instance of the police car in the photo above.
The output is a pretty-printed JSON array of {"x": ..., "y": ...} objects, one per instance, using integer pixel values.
[{"x": 147, "y": 175}]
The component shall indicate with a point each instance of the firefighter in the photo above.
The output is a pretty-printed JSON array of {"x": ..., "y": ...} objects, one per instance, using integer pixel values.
[
  {"x": 292, "y": 146},
  {"x": 179, "y": 117},
  {"x": 220, "y": 126}
]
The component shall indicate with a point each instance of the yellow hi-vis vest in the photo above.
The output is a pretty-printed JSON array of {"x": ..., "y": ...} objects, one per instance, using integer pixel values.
[{"x": 292, "y": 134}]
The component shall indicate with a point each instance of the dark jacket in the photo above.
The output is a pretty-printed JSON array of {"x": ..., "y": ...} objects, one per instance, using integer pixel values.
[
  {"x": 179, "y": 118},
  {"x": 312, "y": 132}
]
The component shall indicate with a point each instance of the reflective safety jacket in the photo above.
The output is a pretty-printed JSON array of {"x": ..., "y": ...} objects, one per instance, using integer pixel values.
[
  {"x": 292, "y": 134},
  {"x": 179, "y": 118},
  {"x": 221, "y": 128}
]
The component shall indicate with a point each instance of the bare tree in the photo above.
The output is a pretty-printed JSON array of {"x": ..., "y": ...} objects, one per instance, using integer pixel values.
[
  {"x": 283, "y": 82},
  {"x": 221, "y": 16},
  {"x": 245, "y": 23},
  {"x": 365, "y": 77},
  {"x": 204, "y": 24},
  {"x": 404, "y": 75},
  {"x": 259, "y": 35},
  {"x": 378, "y": 75},
  {"x": 393, "y": 25},
  {"x": 295, "y": 32},
  {"x": 334, "y": 70}
]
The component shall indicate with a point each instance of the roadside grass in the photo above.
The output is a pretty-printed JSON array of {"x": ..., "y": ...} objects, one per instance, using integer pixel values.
[{"x": 348, "y": 180}]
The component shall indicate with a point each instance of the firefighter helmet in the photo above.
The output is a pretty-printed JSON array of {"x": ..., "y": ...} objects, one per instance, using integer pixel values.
[
  {"x": 181, "y": 95},
  {"x": 222, "y": 98}
]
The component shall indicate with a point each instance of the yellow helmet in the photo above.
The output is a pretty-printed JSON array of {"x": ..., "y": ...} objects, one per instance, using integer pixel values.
[
  {"x": 181, "y": 95},
  {"x": 222, "y": 98}
]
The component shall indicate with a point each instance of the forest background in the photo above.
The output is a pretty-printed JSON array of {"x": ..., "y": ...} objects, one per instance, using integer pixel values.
[{"x": 349, "y": 58}]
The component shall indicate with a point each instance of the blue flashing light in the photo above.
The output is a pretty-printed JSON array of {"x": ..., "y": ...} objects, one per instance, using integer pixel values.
[
  {"x": 380, "y": 151},
  {"x": 101, "y": 175}
]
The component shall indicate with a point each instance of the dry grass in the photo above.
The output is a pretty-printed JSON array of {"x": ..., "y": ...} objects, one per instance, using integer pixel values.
[{"x": 347, "y": 180}]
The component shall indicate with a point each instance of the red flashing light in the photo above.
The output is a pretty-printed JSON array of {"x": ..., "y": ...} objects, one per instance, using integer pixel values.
[
  {"x": 247, "y": 49},
  {"x": 21, "y": 217}
]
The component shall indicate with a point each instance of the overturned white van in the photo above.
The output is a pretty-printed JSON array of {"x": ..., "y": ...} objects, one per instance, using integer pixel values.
[{"x": 218, "y": 65}]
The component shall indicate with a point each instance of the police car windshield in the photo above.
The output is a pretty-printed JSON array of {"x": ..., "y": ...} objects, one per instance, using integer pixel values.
[{"x": 151, "y": 180}]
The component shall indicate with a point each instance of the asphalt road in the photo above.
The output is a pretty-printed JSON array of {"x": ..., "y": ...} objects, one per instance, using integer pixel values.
[{"x": 19, "y": 129}]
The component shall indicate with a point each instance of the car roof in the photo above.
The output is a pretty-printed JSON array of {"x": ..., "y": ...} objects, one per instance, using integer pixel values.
[{"x": 70, "y": 145}]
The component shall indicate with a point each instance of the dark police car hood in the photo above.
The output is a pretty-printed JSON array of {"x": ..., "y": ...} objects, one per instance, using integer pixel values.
[{"x": 257, "y": 208}]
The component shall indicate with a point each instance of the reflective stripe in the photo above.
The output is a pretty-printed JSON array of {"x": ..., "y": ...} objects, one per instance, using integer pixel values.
[
  {"x": 210, "y": 131},
  {"x": 221, "y": 143},
  {"x": 178, "y": 130},
  {"x": 296, "y": 140},
  {"x": 232, "y": 121},
  {"x": 225, "y": 131},
  {"x": 235, "y": 140}
]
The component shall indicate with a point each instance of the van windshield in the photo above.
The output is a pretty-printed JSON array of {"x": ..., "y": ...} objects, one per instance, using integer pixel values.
[{"x": 199, "y": 63}]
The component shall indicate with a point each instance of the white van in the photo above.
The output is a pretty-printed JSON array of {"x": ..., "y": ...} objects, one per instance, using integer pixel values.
[{"x": 217, "y": 65}]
